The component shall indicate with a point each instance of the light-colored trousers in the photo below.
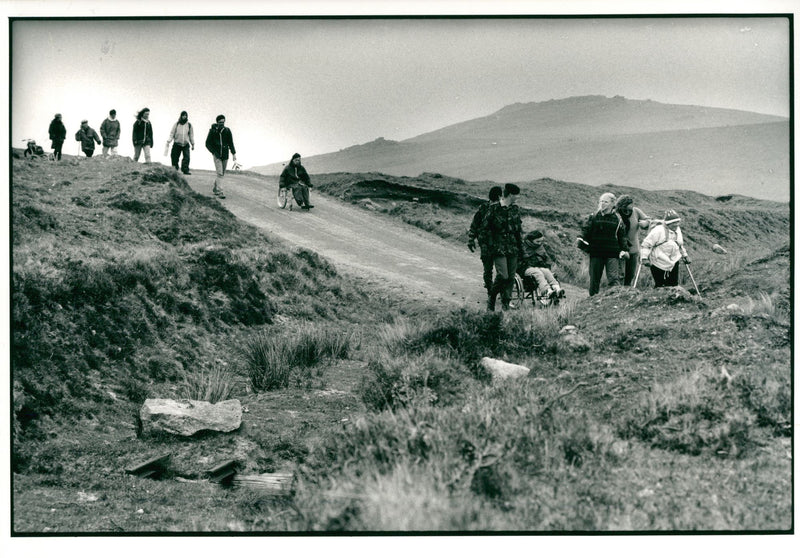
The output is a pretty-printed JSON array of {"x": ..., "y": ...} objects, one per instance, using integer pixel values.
[
  {"x": 543, "y": 277},
  {"x": 220, "y": 165}
]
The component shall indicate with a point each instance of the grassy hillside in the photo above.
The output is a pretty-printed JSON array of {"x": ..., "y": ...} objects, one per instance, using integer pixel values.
[
  {"x": 664, "y": 412},
  {"x": 592, "y": 140},
  {"x": 126, "y": 284}
]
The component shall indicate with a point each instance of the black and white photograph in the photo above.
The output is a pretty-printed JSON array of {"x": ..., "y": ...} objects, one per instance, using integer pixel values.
[{"x": 381, "y": 270}]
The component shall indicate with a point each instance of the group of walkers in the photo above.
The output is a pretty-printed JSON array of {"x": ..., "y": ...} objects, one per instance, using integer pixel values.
[
  {"x": 610, "y": 236},
  {"x": 219, "y": 141}
]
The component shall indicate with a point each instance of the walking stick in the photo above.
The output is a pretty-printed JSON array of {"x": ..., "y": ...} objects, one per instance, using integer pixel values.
[
  {"x": 689, "y": 269},
  {"x": 636, "y": 277}
]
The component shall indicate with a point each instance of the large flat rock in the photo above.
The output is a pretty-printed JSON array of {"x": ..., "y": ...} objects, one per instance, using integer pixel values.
[{"x": 185, "y": 417}]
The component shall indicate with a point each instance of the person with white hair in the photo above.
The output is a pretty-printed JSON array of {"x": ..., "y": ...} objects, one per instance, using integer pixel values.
[
  {"x": 662, "y": 250},
  {"x": 604, "y": 238}
]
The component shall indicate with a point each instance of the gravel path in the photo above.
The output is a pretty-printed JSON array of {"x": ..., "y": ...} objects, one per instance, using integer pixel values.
[{"x": 398, "y": 256}]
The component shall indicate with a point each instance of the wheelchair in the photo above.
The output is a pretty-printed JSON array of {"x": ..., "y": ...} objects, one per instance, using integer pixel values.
[
  {"x": 526, "y": 288},
  {"x": 285, "y": 197}
]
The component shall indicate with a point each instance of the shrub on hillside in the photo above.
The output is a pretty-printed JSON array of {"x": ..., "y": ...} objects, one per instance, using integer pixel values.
[
  {"x": 695, "y": 413},
  {"x": 410, "y": 380}
]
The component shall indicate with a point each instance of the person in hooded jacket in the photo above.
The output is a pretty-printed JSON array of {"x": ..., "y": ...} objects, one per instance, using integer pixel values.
[
  {"x": 662, "y": 250},
  {"x": 182, "y": 138},
  {"x": 110, "y": 130},
  {"x": 58, "y": 133},
  {"x": 604, "y": 232},
  {"x": 634, "y": 220},
  {"x": 294, "y": 176},
  {"x": 477, "y": 232},
  {"x": 87, "y": 136},
  {"x": 536, "y": 263},
  {"x": 142, "y": 135},
  {"x": 218, "y": 142}
]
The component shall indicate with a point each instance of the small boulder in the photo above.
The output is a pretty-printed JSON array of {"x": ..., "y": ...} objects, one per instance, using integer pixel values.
[
  {"x": 568, "y": 330},
  {"x": 186, "y": 417},
  {"x": 502, "y": 370},
  {"x": 574, "y": 343}
]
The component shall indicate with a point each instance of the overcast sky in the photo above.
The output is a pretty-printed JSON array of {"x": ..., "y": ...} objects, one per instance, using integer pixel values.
[{"x": 319, "y": 85}]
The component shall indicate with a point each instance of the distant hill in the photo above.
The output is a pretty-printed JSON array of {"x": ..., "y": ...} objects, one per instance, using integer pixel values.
[{"x": 592, "y": 140}]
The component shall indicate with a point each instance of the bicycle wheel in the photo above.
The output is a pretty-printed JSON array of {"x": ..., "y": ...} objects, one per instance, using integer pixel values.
[{"x": 282, "y": 195}]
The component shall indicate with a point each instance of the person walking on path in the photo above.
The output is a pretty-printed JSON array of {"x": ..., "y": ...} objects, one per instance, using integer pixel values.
[
  {"x": 110, "y": 131},
  {"x": 634, "y": 219},
  {"x": 604, "y": 232},
  {"x": 87, "y": 136},
  {"x": 504, "y": 228},
  {"x": 58, "y": 133},
  {"x": 182, "y": 138},
  {"x": 142, "y": 135},
  {"x": 294, "y": 176},
  {"x": 219, "y": 141},
  {"x": 662, "y": 250},
  {"x": 477, "y": 232}
]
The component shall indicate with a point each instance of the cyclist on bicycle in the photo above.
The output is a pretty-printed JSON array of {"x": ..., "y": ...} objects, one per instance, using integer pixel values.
[{"x": 294, "y": 176}]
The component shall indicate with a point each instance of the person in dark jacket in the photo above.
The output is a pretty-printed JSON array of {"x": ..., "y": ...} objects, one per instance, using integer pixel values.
[
  {"x": 504, "y": 228},
  {"x": 477, "y": 232},
  {"x": 294, "y": 176},
  {"x": 58, "y": 133},
  {"x": 218, "y": 142},
  {"x": 536, "y": 263},
  {"x": 605, "y": 234},
  {"x": 110, "y": 131},
  {"x": 87, "y": 136},
  {"x": 142, "y": 135}
]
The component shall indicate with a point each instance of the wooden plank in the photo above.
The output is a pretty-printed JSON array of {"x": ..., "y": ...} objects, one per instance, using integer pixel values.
[
  {"x": 276, "y": 484},
  {"x": 150, "y": 467},
  {"x": 222, "y": 472}
]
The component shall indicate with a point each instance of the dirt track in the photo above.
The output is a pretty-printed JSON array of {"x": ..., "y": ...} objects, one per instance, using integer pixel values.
[{"x": 399, "y": 257}]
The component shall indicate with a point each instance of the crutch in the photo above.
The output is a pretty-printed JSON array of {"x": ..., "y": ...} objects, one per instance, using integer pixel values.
[
  {"x": 636, "y": 277},
  {"x": 689, "y": 269}
]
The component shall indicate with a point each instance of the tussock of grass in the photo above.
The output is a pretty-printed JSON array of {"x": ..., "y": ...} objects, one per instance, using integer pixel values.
[
  {"x": 212, "y": 385},
  {"x": 271, "y": 357}
]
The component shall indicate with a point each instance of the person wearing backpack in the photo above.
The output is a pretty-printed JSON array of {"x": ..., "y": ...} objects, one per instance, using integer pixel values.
[
  {"x": 479, "y": 233},
  {"x": 182, "y": 138},
  {"x": 87, "y": 136},
  {"x": 662, "y": 250},
  {"x": 605, "y": 236}
]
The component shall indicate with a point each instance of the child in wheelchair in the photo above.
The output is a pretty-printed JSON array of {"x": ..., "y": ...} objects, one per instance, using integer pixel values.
[{"x": 536, "y": 265}]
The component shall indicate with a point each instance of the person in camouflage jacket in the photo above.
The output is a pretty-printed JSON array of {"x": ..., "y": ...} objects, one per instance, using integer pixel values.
[
  {"x": 503, "y": 226},
  {"x": 477, "y": 231}
]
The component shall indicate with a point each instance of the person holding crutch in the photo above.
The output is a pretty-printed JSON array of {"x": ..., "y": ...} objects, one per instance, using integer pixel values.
[{"x": 662, "y": 250}]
